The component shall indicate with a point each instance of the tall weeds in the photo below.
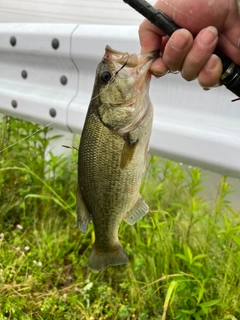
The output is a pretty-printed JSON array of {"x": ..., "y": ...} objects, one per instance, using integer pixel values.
[{"x": 184, "y": 255}]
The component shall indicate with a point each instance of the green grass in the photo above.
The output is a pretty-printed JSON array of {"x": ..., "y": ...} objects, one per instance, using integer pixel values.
[{"x": 184, "y": 256}]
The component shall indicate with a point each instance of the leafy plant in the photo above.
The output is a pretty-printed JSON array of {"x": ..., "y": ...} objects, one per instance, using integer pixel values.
[{"x": 184, "y": 256}]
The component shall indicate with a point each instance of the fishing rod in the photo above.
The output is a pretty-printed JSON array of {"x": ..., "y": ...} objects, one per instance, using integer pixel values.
[{"x": 231, "y": 72}]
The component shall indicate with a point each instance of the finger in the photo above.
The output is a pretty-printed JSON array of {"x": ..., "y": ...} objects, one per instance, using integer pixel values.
[
  {"x": 150, "y": 37},
  {"x": 203, "y": 47},
  {"x": 210, "y": 74},
  {"x": 159, "y": 68},
  {"x": 177, "y": 48}
]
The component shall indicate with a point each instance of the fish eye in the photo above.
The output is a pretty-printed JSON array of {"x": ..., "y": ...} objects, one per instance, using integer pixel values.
[{"x": 106, "y": 76}]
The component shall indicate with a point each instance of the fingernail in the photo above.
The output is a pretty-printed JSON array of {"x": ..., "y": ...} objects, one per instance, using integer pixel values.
[
  {"x": 208, "y": 36},
  {"x": 216, "y": 86},
  {"x": 159, "y": 74},
  {"x": 183, "y": 73},
  {"x": 211, "y": 63},
  {"x": 179, "y": 43}
]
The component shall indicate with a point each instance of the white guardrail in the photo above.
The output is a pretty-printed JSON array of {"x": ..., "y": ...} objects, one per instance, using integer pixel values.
[{"x": 47, "y": 73}]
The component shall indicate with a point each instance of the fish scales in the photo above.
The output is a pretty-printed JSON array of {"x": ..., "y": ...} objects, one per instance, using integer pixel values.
[
  {"x": 110, "y": 166},
  {"x": 100, "y": 162}
]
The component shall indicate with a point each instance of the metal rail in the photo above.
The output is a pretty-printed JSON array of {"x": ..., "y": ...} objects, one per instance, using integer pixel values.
[{"x": 47, "y": 73}]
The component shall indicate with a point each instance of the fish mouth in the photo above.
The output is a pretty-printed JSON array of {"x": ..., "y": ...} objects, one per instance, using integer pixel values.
[{"x": 139, "y": 64}]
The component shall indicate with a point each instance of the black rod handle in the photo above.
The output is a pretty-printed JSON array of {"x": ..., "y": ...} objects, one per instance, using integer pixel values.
[{"x": 231, "y": 72}]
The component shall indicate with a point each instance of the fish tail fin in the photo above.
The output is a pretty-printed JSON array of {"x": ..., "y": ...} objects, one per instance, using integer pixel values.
[{"x": 100, "y": 259}]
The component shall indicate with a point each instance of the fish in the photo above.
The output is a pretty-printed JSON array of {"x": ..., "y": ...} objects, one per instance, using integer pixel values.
[{"x": 112, "y": 153}]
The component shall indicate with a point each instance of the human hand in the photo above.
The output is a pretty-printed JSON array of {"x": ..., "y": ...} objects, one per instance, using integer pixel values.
[{"x": 214, "y": 24}]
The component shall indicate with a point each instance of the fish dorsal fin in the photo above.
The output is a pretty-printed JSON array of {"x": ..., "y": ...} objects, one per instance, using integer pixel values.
[{"x": 128, "y": 150}]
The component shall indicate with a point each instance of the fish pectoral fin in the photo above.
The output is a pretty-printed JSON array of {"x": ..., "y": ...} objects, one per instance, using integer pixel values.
[
  {"x": 83, "y": 215},
  {"x": 137, "y": 212},
  {"x": 128, "y": 150}
]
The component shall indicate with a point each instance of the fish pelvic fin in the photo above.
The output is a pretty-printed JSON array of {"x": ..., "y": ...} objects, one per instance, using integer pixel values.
[
  {"x": 139, "y": 210},
  {"x": 100, "y": 259},
  {"x": 83, "y": 215}
]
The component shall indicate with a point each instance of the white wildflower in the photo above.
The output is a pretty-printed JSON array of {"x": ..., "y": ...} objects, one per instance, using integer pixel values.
[
  {"x": 39, "y": 263},
  {"x": 1, "y": 235},
  {"x": 18, "y": 226},
  {"x": 26, "y": 248}
]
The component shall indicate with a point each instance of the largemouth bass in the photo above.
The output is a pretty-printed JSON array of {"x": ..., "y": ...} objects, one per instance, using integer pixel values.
[{"x": 112, "y": 153}]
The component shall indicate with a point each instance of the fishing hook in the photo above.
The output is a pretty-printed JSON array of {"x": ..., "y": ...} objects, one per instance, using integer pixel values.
[{"x": 116, "y": 73}]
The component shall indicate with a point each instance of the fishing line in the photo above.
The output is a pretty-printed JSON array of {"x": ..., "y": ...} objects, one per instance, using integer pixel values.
[
  {"x": 47, "y": 125},
  {"x": 88, "y": 101},
  {"x": 50, "y": 123},
  {"x": 114, "y": 76},
  {"x": 125, "y": 63},
  {"x": 195, "y": 20},
  {"x": 183, "y": 13},
  {"x": 116, "y": 73}
]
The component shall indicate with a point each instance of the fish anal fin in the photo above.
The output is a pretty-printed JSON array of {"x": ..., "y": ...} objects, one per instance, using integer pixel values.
[
  {"x": 83, "y": 215},
  {"x": 128, "y": 150},
  {"x": 101, "y": 259},
  {"x": 137, "y": 212}
]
